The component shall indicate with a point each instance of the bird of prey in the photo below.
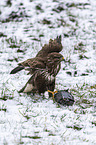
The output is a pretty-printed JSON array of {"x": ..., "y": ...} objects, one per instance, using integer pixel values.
[
  {"x": 53, "y": 46},
  {"x": 43, "y": 68}
]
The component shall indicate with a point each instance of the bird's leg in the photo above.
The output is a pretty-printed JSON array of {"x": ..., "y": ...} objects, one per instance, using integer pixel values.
[{"x": 52, "y": 92}]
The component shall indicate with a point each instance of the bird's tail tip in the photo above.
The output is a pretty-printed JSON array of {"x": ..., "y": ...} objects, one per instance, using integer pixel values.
[{"x": 58, "y": 39}]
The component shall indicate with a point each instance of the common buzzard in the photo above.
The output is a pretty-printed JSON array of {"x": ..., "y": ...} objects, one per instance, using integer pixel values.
[{"x": 43, "y": 68}]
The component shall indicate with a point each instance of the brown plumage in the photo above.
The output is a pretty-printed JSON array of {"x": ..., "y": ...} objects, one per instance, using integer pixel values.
[
  {"x": 43, "y": 69},
  {"x": 53, "y": 64},
  {"x": 53, "y": 46},
  {"x": 43, "y": 78}
]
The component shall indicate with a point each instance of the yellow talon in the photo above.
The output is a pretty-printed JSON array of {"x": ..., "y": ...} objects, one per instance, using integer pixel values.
[{"x": 52, "y": 92}]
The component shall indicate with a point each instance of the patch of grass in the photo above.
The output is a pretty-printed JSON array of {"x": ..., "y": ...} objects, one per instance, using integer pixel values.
[
  {"x": 3, "y": 108},
  {"x": 93, "y": 87},
  {"x": 82, "y": 56},
  {"x": 36, "y": 39},
  {"x": 69, "y": 73},
  {"x": 24, "y": 115},
  {"x": 2, "y": 35},
  {"x": 41, "y": 35},
  {"x": 31, "y": 137},
  {"x": 75, "y": 127},
  {"x": 61, "y": 22},
  {"x": 9, "y": 3},
  {"x": 59, "y": 9},
  {"x": 16, "y": 16},
  {"x": 77, "y": 5},
  {"x": 39, "y": 8},
  {"x": 14, "y": 59},
  {"x": 80, "y": 47},
  {"x": 84, "y": 95},
  {"x": 14, "y": 43},
  {"x": 51, "y": 134},
  {"x": 94, "y": 122},
  {"x": 6, "y": 93},
  {"x": 45, "y": 21}
]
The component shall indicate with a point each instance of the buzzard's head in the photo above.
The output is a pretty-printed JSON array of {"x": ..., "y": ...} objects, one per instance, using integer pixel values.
[{"x": 53, "y": 63}]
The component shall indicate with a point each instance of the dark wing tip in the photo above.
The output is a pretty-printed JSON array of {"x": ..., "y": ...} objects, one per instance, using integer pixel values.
[
  {"x": 21, "y": 90},
  {"x": 18, "y": 68}
]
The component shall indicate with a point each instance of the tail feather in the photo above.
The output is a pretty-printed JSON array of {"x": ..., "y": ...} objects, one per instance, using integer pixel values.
[
  {"x": 28, "y": 87},
  {"x": 58, "y": 39},
  {"x": 17, "y": 69},
  {"x": 22, "y": 90}
]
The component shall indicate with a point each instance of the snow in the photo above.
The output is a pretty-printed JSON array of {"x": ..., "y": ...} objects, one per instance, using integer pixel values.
[{"x": 26, "y": 116}]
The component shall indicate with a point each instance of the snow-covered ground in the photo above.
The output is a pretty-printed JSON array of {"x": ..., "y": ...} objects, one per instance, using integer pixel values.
[{"x": 25, "y": 26}]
